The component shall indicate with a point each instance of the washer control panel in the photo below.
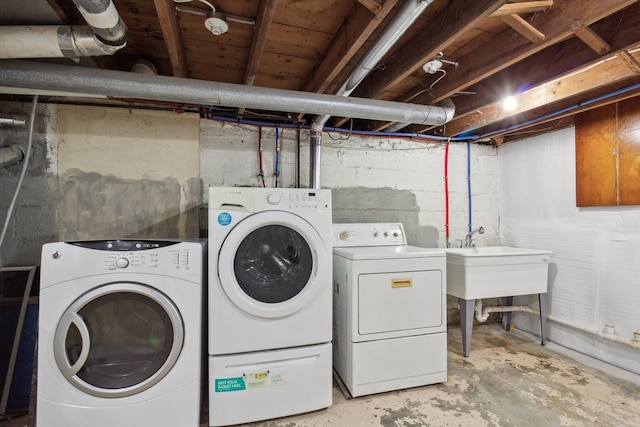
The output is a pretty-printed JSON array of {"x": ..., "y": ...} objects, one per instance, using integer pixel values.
[
  {"x": 139, "y": 255},
  {"x": 368, "y": 234}
]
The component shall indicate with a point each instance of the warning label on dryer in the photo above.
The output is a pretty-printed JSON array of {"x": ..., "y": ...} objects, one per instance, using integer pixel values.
[{"x": 250, "y": 381}]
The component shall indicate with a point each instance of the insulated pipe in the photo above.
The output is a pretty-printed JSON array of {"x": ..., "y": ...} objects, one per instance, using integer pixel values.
[
  {"x": 11, "y": 155},
  {"x": 104, "y": 20},
  {"x": 105, "y": 35},
  {"x": 122, "y": 84}
]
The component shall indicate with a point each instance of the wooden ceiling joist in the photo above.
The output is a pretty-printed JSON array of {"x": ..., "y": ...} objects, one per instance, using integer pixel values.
[
  {"x": 168, "y": 17},
  {"x": 525, "y": 29},
  {"x": 594, "y": 41}
]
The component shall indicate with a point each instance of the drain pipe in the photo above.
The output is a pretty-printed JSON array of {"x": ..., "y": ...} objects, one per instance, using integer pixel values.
[
  {"x": 105, "y": 35},
  {"x": 411, "y": 9},
  {"x": 608, "y": 332}
]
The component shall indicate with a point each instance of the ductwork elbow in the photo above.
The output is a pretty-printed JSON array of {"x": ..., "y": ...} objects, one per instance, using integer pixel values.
[
  {"x": 449, "y": 109},
  {"x": 105, "y": 35}
]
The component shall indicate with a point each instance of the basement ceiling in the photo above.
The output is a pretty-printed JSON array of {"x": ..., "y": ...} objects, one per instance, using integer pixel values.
[{"x": 554, "y": 57}]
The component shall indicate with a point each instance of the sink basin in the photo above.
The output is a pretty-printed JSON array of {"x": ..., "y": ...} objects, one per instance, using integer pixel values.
[{"x": 496, "y": 271}]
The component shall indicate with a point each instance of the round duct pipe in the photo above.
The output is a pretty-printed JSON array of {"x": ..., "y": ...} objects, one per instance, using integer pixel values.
[
  {"x": 121, "y": 84},
  {"x": 11, "y": 155}
]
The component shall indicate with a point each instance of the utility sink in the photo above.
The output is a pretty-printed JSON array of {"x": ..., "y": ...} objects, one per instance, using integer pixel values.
[{"x": 496, "y": 271}]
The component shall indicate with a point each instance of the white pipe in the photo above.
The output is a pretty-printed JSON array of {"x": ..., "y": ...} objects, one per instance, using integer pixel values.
[
  {"x": 608, "y": 333},
  {"x": 11, "y": 122},
  {"x": 52, "y": 42},
  {"x": 105, "y": 35}
]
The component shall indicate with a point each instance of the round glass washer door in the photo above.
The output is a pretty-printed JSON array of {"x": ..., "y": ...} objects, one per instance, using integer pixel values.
[
  {"x": 272, "y": 263},
  {"x": 118, "y": 339}
]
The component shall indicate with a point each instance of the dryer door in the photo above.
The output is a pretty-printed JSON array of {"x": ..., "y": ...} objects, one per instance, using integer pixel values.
[
  {"x": 272, "y": 264},
  {"x": 118, "y": 339}
]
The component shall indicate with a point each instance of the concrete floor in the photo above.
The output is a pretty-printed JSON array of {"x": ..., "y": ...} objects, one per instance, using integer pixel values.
[{"x": 508, "y": 380}]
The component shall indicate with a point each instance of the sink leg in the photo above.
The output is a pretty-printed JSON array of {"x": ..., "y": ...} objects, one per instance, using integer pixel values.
[
  {"x": 544, "y": 305},
  {"x": 466, "y": 323},
  {"x": 506, "y": 315}
]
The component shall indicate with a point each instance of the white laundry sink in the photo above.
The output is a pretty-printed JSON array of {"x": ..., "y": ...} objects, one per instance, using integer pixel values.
[{"x": 496, "y": 271}]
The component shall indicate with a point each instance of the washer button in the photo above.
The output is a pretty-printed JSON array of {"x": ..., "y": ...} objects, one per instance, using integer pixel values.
[
  {"x": 122, "y": 263},
  {"x": 273, "y": 198}
]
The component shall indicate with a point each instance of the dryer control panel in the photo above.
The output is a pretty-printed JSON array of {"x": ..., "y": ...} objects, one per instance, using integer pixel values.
[{"x": 368, "y": 234}]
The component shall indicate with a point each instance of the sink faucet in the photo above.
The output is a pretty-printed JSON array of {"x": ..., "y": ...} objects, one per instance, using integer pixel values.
[{"x": 468, "y": 240}]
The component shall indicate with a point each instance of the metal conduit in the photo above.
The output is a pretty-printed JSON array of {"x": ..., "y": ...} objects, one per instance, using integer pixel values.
[
  {"x": 122, "y": 84},
  {"x": 408, "y": 13}
]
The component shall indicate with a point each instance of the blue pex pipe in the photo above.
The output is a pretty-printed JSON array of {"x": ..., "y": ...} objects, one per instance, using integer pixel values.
[{"x": 469, "y": 184}]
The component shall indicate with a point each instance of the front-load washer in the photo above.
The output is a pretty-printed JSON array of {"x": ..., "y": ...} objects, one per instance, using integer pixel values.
[
  {"x": 390, "y": 310},
  {"x": 120, "y": 333},
  {"x": 269, "y": 303}
]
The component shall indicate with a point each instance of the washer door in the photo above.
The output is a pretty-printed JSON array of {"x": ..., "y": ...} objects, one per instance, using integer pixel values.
[
  {"x": 118, "y": 339},
  {"x": 272, "y": 264}
]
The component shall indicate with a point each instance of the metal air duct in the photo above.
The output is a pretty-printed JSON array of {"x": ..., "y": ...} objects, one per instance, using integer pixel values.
[
  {"x": 409, "y": 12},
  {"x": 121, "y": 84}
]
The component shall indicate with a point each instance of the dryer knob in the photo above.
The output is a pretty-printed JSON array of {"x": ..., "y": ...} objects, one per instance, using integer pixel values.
[
  {"x": 122, "y": 263},
  {"x": 273, "y": 198}
]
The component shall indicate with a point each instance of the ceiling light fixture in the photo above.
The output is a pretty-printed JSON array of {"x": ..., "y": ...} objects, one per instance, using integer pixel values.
[
  {"x": 435, "y": 64},
  {"x": 509, "y": 103},
  {"x": 215, "y": 22}
]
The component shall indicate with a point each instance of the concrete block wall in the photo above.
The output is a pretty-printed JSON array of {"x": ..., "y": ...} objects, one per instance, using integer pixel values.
[
  {"x": 34, "y": 218},
  {"x": 98, "y": 172},
  {"x": 372, "y": 179}
]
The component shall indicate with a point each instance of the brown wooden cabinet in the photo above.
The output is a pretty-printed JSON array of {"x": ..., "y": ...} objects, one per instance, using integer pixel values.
[{"x": 608, "y": 155}]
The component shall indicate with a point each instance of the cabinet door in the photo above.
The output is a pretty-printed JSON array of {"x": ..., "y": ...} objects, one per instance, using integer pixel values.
[
  {"x": 596, "y": 157},
  {"x": 629, "y": 151}
]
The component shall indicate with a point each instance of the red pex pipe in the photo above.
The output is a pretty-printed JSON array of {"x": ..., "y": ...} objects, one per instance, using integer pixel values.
[{"x": 446, "y": 191}]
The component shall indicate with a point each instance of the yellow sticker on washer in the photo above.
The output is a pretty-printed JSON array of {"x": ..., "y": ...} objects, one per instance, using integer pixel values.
[{"x": 264, "y": 379}]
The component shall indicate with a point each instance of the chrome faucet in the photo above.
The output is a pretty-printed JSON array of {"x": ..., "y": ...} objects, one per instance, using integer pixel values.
[{"x": 468, "y": 239}]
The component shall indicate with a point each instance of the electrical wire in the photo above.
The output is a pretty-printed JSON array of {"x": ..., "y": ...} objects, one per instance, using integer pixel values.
[
  {"x": 23, "y": 172},
  {"x": 469, "y": 184},
  {"x": 276, "y": 173},
  {"x": 261, "y": 170},
  {"x": 446, "y": 193}
]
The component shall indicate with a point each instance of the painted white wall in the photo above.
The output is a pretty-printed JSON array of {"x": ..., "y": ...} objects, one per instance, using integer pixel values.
[
  {"x": 595, "y": 266},
  {"x": 229, "y": 157}
]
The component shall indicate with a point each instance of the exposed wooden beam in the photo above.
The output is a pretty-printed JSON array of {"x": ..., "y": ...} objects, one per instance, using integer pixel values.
[
  {"x": 504, "y": 51},
  {"x": 168, "y": 17},
  {"x": 594, "y": 41},
  {"x": 605, "y": 73},
  {"x": 525, "y": 29},
  {"x": 264, "y": 18},
  {"x": 631, "y": 61},
  {"x": 349, "y": 39},
  {"x": 459, "y": 17},
  {"x": 560, "y": 59},
  {"x": 373, "y": 5},
  {"x": 522, "y": 8}
]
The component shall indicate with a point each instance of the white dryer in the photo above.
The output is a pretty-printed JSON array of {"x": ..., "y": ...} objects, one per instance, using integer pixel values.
[
  {"x": 390, "y": 310},
  {"x": 120, "y": 333},
  {"x": 269, "y": 303}
]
